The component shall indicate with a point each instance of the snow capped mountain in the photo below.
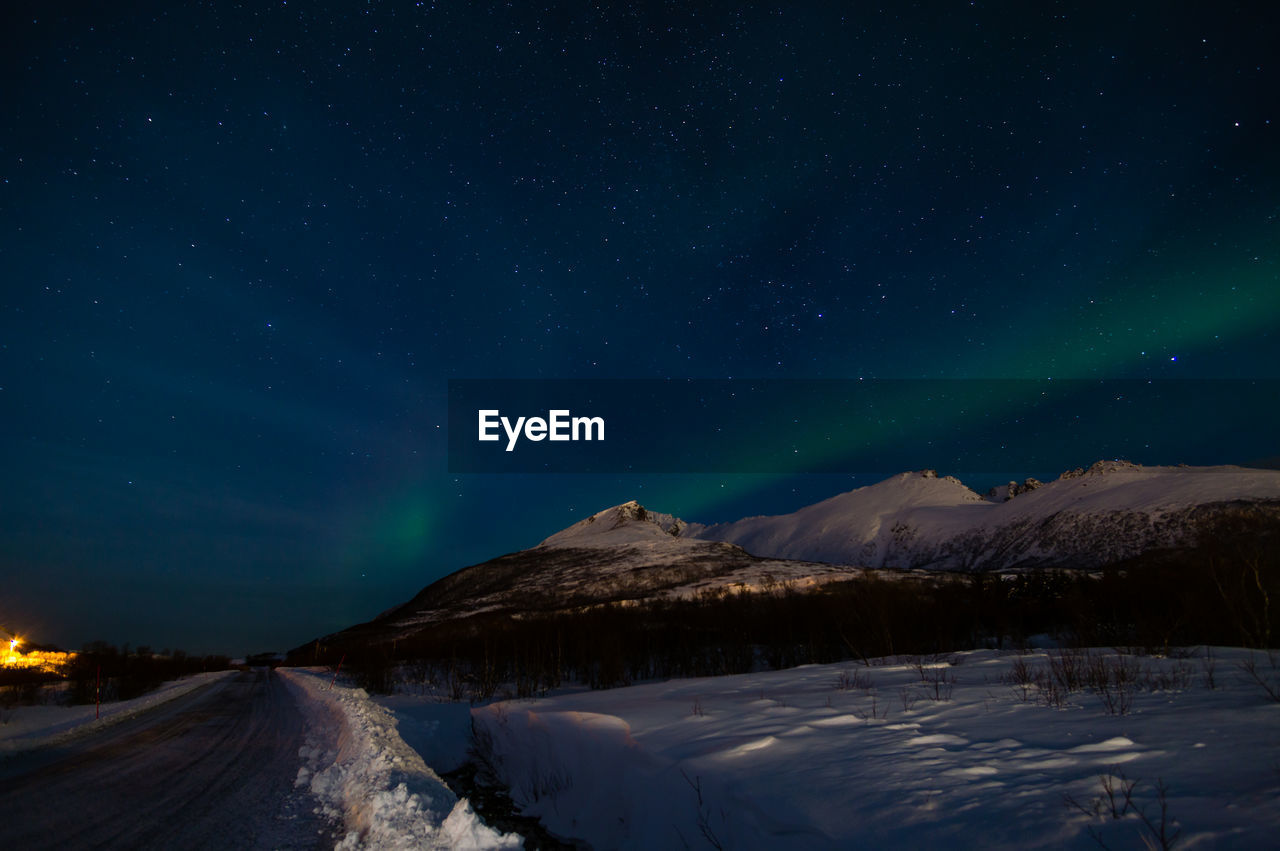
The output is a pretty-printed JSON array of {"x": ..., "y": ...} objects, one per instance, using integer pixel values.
[
  {"x": 1112, "y": 511},
  {"x": 621, "y": 553},
  {"x": 861, "y": 526},
  {"x": 1085, "y": 518},
  {"x": 628, "y": 523}
]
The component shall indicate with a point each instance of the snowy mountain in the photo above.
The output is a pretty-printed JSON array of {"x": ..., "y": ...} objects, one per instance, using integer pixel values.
[
  {"x": 629, "y": 523},
  {"x": 913, "y": 521},
  {"x": 621, "y": 553},
  {"x": 1086, "y": 518},
  {"x": 863, "y": 526}
]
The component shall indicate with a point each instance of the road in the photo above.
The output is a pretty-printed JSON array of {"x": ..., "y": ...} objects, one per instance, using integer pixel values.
[{"x": 212, "y": 769}]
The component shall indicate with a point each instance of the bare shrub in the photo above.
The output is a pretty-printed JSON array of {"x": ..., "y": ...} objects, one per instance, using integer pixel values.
[
  {"x": 1210, "y": 669},
  {"x": 847, "y": 680},
  {"x": 1069, "y": 669},
  {"x": 916, "y": 663},
  {"x": 1052, "y": 693},
  {"x": 1176, "y": 678},
  {"x": 1116, "y": 802},
  {"x": 939, "y": 684},
  {"x": 876, "y": 713},
  {"x": 455, "y": 681},
  {"x": 1114, "y": 679},
  {"x": 1162, "y": 834},
  {"x": 1022, "y": 678},
  {"x": 704, "y": 814},
  {"x": 1267, "y": 677}
]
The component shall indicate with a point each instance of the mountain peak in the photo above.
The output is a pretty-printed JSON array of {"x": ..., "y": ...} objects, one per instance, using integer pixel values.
[
  {"x": 1102, "y": 468},
  {"x": 629, "y": 522}
]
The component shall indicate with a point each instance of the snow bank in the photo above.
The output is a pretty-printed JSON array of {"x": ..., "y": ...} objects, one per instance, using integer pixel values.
[
  {"x": 966, "y": 751},
  {"x": 26, "y": 727},
  {"x": 360, "y": 769},
  {"x": 439, "y": 731},
  {"x": 583, "y": 775}
]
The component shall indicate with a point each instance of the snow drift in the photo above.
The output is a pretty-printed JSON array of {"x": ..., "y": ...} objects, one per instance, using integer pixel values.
[{"x": 360, "y": 769}]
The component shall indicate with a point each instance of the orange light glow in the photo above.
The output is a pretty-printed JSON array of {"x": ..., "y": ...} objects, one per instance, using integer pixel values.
[{"x": 44, "y": 660}]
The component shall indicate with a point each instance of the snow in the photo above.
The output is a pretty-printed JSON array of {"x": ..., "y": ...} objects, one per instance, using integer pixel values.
[
  {"x": 855, "y": 527},
  {"x": 919, "y": 519},
  {"x": 1122, "y": 486},
  {"x": 27, "y": 727},
  {"x": 439, "y": 731},
  {"x": 628, "y": 523},
  {"x": 863, "y": 525},
  {"x": 906, "y": 753},
  {"x": 361, "y": 770}
]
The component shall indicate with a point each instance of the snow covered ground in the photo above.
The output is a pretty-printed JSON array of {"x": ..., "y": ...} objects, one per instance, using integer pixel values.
[
  {"x": 361, "y": 770},
  {"x": 990, "y": 749},
  {"x": 27, "y": 727},
  {"x": 973, "y": 750}
]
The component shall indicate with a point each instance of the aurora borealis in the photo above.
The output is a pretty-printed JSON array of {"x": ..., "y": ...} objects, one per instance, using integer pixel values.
[{"x": 246, "y": 245}]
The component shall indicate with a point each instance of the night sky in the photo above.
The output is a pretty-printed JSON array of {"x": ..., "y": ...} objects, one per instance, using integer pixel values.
[{"x": 244, "y": 246}]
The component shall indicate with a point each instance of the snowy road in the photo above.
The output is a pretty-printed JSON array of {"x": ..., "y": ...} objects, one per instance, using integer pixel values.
[{"x": 214, "y": 768}]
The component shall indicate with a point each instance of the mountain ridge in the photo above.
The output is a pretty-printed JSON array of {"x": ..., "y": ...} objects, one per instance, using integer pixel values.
[
  {"x": 909, "y": 523},
  {"x": 1084, "y": 518}
]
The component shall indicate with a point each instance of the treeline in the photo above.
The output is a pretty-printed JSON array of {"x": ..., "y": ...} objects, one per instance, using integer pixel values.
[
  {"x": 1218, "y": 593},
  {"x": 103, "y": 672},
  {"x": 122, "y": 674}
]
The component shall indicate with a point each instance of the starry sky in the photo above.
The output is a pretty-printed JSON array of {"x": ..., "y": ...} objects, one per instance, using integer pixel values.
[{"x": 244, "y": 246}]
